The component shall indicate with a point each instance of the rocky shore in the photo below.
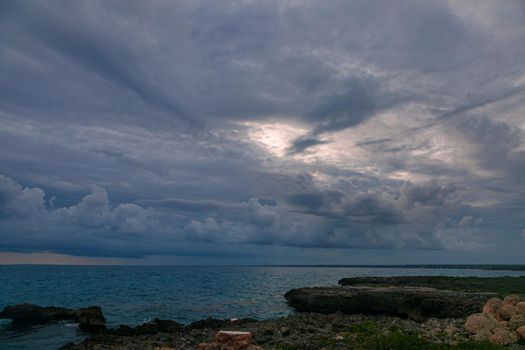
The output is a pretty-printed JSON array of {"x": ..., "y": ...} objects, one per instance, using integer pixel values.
[
  {"x": 397, "y": 313},
  {"x": 300, "y": 331},
  {"x": 89, "y": 319}
]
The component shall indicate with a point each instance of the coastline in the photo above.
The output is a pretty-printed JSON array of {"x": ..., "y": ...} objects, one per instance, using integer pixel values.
[
  {"x": 310, "y": 330},
  {"x": 298, "y": 331},
  {"x": 387, "y": 313}
]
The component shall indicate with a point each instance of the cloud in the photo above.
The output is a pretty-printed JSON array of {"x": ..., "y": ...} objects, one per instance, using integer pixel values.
[
  {"x": 491, "y": 142},
  {"x": 260, "y": 215},
  {"x": 241, "y": 129},
  {"x": 410, "y": 217},
  {"x": 466, "y": 222},
  {"x": 305, "y": 219},
  {"x": 432, "y": 193},
  {"x": 94, "y": 52},
  {"x": 208, "y": 230},
  {"x": 94, "y": 211},
  {"x": 27, "y": 206},
  {"x": 18, "y": 202},
  {"x": 302, "y": 143}
]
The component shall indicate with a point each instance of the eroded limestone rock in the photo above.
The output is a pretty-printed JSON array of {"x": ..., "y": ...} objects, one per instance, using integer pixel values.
[
  {"x": 502, "y": 321},
  {"x": 230, "y": 340}
]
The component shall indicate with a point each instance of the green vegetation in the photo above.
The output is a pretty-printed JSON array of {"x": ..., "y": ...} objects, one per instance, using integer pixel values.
[
  {"x": 286, "y": 347},
  {"x": 500, "y": 285},
  {"x": 367, "y": 335},
  {"x": 400, "y": 341}
]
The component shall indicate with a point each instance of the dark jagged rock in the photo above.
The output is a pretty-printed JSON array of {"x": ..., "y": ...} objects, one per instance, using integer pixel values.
[
  {"x": 34, "y": 314},
  {"x": 210, "y": 322},
  {"x": 153, "y": 327},
  {"x": 416, "y": 303},
  {"x": 214, "y": 323},
  {"x": 336, "y": 331},
  {"x": 90, "y": 319}
]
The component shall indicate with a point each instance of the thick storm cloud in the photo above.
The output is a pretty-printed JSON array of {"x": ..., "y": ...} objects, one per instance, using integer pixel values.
[{"x": 263, "y": 131}]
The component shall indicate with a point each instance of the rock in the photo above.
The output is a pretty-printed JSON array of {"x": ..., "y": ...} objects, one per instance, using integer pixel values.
[
  {"x": 512, "y": 299},
  {"x": 452, "y": 330},
  {"x": 285, "y": 331},
  {"x": 233, "y": 337},
  {"x": 466, "y": 284},
  {"x": 481, "y": 322},
  {"x": 521, "y": 332},
  {"x": 503, "y": 336},
  {"x": 34, "y": 314},
  {"x": 152, "y": 327},
  {"x": 269, "y": 332},
  {"x": 505, "y": 311},
  {"x": 418, "y": 303},
  {"x": 435, "y": 331},
  {"x": 517, "y": 320},
  {"x": 482, "y": 335},
  {"x": 498, "y": 325},
  {"x": 492, "y": 305},
  {"x": 359, "y": 332},
  {"x": 90, "y": 318},
  {"x": 230, "y": 340},
  {"x": 214, "y": 323},
  {"x": 521, "y": 307}
]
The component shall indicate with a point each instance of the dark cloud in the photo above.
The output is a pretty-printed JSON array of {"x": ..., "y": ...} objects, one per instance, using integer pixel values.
[
  {"x": 302, "y": 143},
  {"x": 41, "y": 30},
  {"x": 351, "y": 107},
  {"x": 263, "y": 129}
]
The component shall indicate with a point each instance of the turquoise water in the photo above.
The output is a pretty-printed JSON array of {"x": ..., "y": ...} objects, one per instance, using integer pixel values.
[{"x": 135, "y": 294}]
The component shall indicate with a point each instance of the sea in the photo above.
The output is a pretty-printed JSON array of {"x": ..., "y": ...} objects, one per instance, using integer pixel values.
[{"x": 136, "y": 294}]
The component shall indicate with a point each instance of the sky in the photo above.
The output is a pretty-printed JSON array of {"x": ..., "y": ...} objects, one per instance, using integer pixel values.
[{"x": 262, "y": 132}]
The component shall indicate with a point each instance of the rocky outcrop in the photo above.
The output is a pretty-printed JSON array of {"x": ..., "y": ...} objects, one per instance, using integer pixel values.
[
  {"x": 90, "y": 319},
  {"x": 501, "y": 285},
  {"x": 298, "y": 331},
  {"x": 230, "y": 340},
  {"x": 521, "y": 332},
  {"x": 153, "y": 327},
  {"x": 215, "y": 323},
  {"x": 500, "y": 322},
  {"x": 417, "y": 303}
]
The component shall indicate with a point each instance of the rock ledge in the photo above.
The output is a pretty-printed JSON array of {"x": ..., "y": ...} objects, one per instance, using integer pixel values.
[
  {"x": 417, "y": 303},
  {"x": 90, "y": 319}
]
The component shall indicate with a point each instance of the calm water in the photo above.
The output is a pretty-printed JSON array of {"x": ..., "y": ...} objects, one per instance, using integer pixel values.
[{"x": 132, "y": 294}]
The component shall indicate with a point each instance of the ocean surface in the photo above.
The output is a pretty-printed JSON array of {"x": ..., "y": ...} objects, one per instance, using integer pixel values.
[{"x": 135, "y": 294}]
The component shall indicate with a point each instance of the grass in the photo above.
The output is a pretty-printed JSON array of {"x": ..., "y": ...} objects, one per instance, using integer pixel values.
[
  {"x": 400, "y": 341},
  {"x": 396, "y": 341},
  {"x": 286, "y": 347},
  {"x": 368, "y": 336}
]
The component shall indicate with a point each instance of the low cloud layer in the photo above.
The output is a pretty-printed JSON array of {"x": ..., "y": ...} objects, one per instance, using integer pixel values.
[{"x": 257, "y": 131}]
